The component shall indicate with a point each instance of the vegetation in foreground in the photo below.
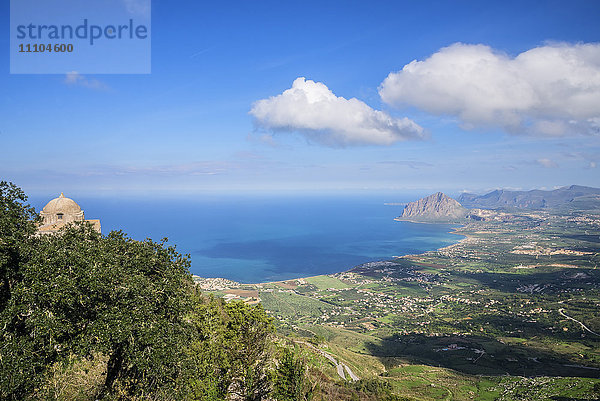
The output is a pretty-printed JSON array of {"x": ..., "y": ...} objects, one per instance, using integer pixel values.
[{"x": 92, "y": 317}]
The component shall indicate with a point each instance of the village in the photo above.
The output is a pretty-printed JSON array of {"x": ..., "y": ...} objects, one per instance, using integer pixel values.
[{"x": 474, "y": 299}]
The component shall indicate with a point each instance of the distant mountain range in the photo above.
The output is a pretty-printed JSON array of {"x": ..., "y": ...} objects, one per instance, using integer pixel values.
[
  {"x": 575, "y": 196},
  {"x": 441, "y": 208}
]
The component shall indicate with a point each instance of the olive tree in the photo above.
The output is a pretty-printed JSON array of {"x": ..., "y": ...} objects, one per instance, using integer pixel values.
[{"x": 79, "y": 293}]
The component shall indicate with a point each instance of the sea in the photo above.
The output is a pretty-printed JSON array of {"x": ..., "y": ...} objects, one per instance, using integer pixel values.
[{"x": 261, "y": 238}]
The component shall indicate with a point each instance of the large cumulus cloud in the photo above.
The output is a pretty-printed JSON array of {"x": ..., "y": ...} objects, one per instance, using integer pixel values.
[
  {"x": 549, "y": 90},
  {"x": 314, "y": 111}
]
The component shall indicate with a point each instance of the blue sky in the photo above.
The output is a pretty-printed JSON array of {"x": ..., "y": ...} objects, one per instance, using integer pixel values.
[{"x": 223, "y": 109}]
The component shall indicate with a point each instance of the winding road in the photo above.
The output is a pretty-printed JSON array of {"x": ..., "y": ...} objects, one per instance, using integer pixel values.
[
  {"x": 583, "y": 326},
  {"x": 341, "y": 367}
]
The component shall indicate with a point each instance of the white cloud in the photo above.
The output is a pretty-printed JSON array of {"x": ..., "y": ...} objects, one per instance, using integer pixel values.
[
  {"x": 313, "y": 110},
  {"x": 547, "y": 163},
  {"x": 549, "y": 90},
  {"x": 75, "y": 78}
]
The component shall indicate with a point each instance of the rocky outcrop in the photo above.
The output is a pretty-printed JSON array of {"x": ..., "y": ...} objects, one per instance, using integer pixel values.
[{"x": 436, "y": 207}]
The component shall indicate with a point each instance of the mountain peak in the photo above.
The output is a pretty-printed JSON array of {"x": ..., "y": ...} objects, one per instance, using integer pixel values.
[{"x": 438, "y": 206}]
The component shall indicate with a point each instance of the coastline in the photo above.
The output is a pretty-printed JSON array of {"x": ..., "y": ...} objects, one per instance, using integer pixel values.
[
  {"x": 234, "y": 284},
  {"x": 466, "y": 238},
  {"x": 447, "y": 247}
]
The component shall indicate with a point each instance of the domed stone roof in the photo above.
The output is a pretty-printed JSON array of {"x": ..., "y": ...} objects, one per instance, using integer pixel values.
[
  {"x": 63, "y": 205},
  {"x": 62, "y": 211}
]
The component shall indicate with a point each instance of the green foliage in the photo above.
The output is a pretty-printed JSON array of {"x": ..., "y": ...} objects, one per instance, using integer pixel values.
[
  {"x": 372, "y": 386},
  {"x": 16, "y": 226},
  {"x": 207, "y": 352},
  {"x": 232, "y": 351},
  {"x": 248, "y": 343},
  {"x": 316, "y": 340},
  {"x": 290, "y": 382},
  {"x": 82, "y": 293}
]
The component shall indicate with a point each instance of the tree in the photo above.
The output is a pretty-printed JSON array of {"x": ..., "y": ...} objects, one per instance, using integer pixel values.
[
  {"x": 16, "y": 229},
  {"x": 17, "y": 225},
  {"x": 79, "y": 294},
  {"x": 248, "y": 336},
  {"x": 290, "y": 378},
  {"x": 232, "y": 351},
  {"x": 210, "y": 360}
]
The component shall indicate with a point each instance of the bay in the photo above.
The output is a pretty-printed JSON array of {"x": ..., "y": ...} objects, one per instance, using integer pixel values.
[{"x": 263, "y": 238}]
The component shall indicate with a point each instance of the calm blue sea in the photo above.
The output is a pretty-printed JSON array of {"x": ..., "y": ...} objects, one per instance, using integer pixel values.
[{"x": 267, "y": 238}]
